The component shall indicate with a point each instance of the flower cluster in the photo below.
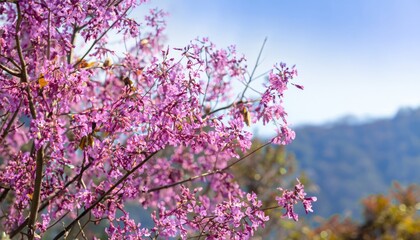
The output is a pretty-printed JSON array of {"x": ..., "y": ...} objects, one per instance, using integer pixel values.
[
  {"x": 86, "y": 128},
  {"x": 290, "y": 198},
  {"x": 235, "y": 218}
]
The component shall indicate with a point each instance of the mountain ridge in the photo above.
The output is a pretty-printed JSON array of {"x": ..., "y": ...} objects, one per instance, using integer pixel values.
[{"x": 350, "y": 161}]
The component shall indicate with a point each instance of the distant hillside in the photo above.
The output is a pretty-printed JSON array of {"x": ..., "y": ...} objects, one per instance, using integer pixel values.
[{"x": 350, "y": 161}]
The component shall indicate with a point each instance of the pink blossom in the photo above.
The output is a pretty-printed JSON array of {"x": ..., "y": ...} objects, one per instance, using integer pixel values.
[
  {"x": 82, "y": 136},
  {"x": 290, "y": 198}
]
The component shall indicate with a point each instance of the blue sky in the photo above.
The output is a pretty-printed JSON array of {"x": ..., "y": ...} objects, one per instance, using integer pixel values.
[{"x": 358, "y": 57}]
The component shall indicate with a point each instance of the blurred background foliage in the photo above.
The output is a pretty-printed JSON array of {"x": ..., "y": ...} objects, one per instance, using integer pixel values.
[
  {"x": 351, "y": 160},
  {"x": 390, "y": 214}
]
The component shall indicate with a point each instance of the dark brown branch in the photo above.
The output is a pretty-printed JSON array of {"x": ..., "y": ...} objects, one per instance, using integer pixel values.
[
  {"x": 49, "y": 35},
  {"x": 37, "y": 193},
  {"x": 47, "y": 201},
  {"x": 9, "y": 125},
  {"x": 5, "y": 116},
  {"x": 4, "y": 194},
  {"x": 220, "y": 109},
  {"x": 10, "y": 71},
  {"x": 40, "y": 153},
  {"x": 58, "y": 220},
  {"x": 72, "y": 41},
  {"x": 24, "y": 73},
  {"x": 227, "y": 107},
  {"x": 12, "y": 61},
  {"x": 270, "y": 208}
]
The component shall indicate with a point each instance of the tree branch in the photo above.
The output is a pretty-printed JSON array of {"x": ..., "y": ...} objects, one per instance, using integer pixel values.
[
  {"x": 47, "y": 201},
  {"x": 87, "y": 210},
  {"x": 72, "y": 41},
  {"x": 226, "y": 107},
  {"x": 49, "y": 35},
  {"x": 12, "y": 61},
  {"x": 100, "y": 37},
  {"x": 255, "y": 68},
  {"x": 4, "y": 194},
  {"x": 37, "y": 193},
  {"x": 24, "y": 73},
  {"x": 40, "y": 153},
  {"x": 209, "y": 173},
  {"x": 9, "y": 125},
  {"x": 10, "y": 71}
]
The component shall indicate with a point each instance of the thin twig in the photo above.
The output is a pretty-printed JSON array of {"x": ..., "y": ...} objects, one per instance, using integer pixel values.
[
  {"x": 49, "y": 35},
  {"x": 4, "y": 194},
  {"x": 255, "y": 68},
  {"x": 5, "y": 116},
  {"x": 81, "y": 229},
  {"x": 270, "y": 208},
  {"x": 100, "y": 37},
  {"x": 208, "y": 82},
  {"x": 209, "y": 173},
  {"x": 226, "y": 107},
  {"x": 9, "y": 125},
  {"x": 220, "y": 109},
  {"x": 12, "y": 61},
  {"x": 58, "y": 220}
]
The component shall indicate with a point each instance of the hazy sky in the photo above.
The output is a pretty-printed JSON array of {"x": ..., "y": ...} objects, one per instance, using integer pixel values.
[{"x": 358, "y": 57}]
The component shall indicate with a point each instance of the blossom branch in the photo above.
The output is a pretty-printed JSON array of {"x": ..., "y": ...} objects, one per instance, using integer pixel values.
[
  {"x": 209, "y": 173},
  {"x": 115, "y": 119},
  {"x": 40, "y": 153},
  {"x": 100, "y": 37},
  {"x": 87, "y": 210},
  {"x": 47, "y": 201},
  {"x": 24, "y": 73}
]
